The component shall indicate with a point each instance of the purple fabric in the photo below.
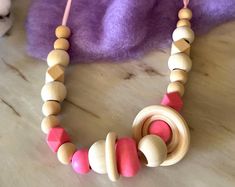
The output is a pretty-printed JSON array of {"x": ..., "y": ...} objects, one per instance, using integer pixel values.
[{"x": 118, "y": 29}]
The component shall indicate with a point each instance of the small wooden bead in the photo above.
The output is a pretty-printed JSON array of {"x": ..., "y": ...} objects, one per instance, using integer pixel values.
[
  {"x": 48, "y": 123},
  {"x": 185, "y": 13},
  {"x": 179, "y": 75},
  {"x": 61, "y": 44},
  {"x": 55, "y": 73},
  {"x": 51, "y": 108},
  {"x": 180, "y": 46},
  {"x": 176, "y": 87},
  {"x": 154, "y": 150},
  {"x": 54, "y": 91},
  {"x": 80, "y": 162},
  {"x": 183, "y": 22},
  {"x": 65, "y": 153},
  {"x": 56, "y": 56},
  {"x": 96, "y": 156},
  {"x": 183, "y": 33},
  {"x": 62, "y": 32},
  {"x": 180, "y": 61}
]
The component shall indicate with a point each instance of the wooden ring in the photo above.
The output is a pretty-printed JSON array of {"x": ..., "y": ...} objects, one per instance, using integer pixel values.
[
  {"x": 110, "y": 156},
  {"x": 174, "y": 120}
]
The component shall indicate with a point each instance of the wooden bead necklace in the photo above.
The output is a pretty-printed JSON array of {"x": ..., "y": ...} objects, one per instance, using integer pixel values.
[{"x": 160, "y": 134}]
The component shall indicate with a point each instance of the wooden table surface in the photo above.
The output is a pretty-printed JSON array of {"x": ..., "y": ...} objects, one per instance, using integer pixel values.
[{"x": 106, "y": 97}]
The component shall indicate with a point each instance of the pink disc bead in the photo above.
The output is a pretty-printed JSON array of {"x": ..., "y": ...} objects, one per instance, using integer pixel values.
[
  {"x": 127, "y": 157},
  {"x": 80, "y": 162},
  {"x": 173, "y": 100},
  {"x": 161, "y": 129}
]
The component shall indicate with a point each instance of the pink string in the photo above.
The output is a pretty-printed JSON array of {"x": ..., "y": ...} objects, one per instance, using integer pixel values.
[
  {"x": 66, "y": 12},
  {"x": 186, "y": 2}
]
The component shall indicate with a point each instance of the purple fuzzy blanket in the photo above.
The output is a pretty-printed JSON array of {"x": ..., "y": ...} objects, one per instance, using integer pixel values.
[{"x": 118, "y": 29}]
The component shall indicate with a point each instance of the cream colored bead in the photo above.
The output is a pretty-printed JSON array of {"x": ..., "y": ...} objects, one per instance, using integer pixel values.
[
  {"x": 51, "y": 108},
  {"x": 110, "y": 155},
  {"x": 185, "y": 13},
  {"x": 180, "y": 61},
  {"x": 176, "y": 87},
  {"x": 180, "y": 46},
  {"x": 48, "y": 123},
  {"x": 179, "y": 75},
  {"x": 65, "y": 153},
  {"x": 55, "y": 73},
  {"x": 54, "y": 91},
  {"x": 60, "y": 57},
  {"x": 96, "y": 156},
  {"x": 62, "y": 32},
  {"x": 183, "y": 23},
  {"x": 154, "y": 149},
  {"x": 183, "y": 33},
  {"x": 61, "y": 44}
]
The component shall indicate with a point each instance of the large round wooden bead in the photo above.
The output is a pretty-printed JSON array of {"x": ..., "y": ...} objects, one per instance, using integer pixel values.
[
  {"x": 183, "y": 23},
  {"x": 62, "y": 31},
  {"x": 65, "y": 153},
  {"x": 180, "y": 61},
  {"x": 61, "y": 44},
  {"x": 96, "y": 156},
  {"x": 176, "y": 87},
  {"x": 54, "y": 91},
  {"x": 179, "y": 75},
  {"x": 48, "y": 123},
  {"x": 185, "y": 13},
  {"x": 56, "y": 56},
  {"x": 110, "y": 156},
  {"x": 51, "y": 108},
  {"x": 154, "y": 150},
  {"x": 183, "y": 33}
]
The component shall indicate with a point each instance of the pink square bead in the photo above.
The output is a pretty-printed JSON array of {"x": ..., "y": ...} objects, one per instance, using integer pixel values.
[
  {"x": 173, "y": 100},
  {"x": 56, "y": 137}
]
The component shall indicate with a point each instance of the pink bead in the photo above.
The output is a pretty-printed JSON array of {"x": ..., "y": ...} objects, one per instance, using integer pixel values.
[
  {"x": 80, "y": 162},
  {"x": 161, "y": 129},
  {"x": 56, "y": 137},
  {"x": 128, "y": 163},
  {"x": 173, "y": 100}
]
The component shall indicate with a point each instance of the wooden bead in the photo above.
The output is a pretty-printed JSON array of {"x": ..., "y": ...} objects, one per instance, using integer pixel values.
[
  {"x": 56, "y": 56},
  {"x": 110, "y": 156},
  {"x": 51, "y": 108},
  {"x": 185, "y": 13},
  {"x": 183, "y": 33},
  {"x": 55, "y": 73},
  {"x": 154, "y": 150},
  {"x": 179, "y": 75},
  {"x": 65, "y": 153},
  {"x": 180, "y": 61},
  {"x": 183, "y": 22},
  {"x": 48, "y": 123},
  {"x": 176, "y": 87},
  {"x": 61, "y": 44},
  {"x": 96, "y": 156},
  {"x": 180, "y": 46},
  {"x": 62, "y": 32},
  {"x": 54, "y": 91}
]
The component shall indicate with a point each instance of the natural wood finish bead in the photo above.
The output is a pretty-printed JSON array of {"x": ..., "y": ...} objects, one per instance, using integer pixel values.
[
  {"x": 154, "y": 150},
  {"x": 65, "y": 153},
  {"x": 96, "y": 156},
  {"x": 61, "y": 44},
  {"x": 48, "y": 123},
  {"x": 110, "y": 156},
  {"x": 185, "y": 13},
  {"x": 179, "y": 75},
  {"x": 180, "y": 61},
  {"x": 55, "y": 73},
  {"x": 62, "y": 32},
  {"x": 180, "y": 46},
  {"x": 176, "y": 87},
  {"x": 56, "y": 57},
  {"x": 183, "y": 33},
  {"x": 183, "y": 23},
  {"x": 54, "y": 91},
  {"x": 51, "y": 108}
]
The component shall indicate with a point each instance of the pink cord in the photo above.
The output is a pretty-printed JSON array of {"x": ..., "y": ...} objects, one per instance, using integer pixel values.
[
  {"x": 66, "y": 12},
  {"x": 186, "y": 2}
]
